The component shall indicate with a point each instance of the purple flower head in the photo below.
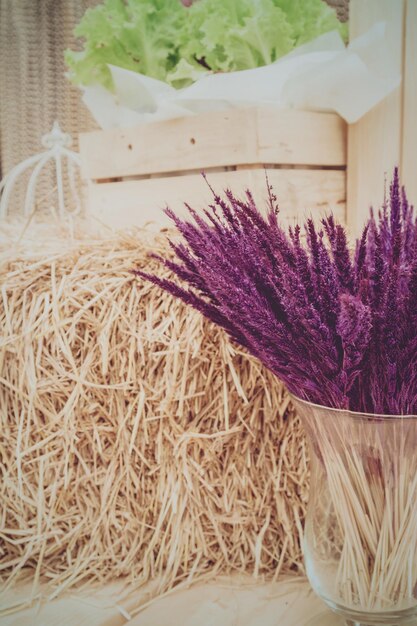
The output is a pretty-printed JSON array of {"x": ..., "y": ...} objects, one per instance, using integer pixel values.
[
  {"x": 354, "y": 328},
  {"x": 337, "y": 323}
]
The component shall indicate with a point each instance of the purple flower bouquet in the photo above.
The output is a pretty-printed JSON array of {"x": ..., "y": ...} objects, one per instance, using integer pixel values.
[{"x": 339, "y": 327}]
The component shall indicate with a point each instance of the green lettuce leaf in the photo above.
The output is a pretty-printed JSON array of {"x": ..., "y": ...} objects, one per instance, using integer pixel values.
[
  {"x": 137, "y": 35},
  {"x": 309, "y": 19},
  {"x": 165, "y": 40},
  {"x": 229, "y": 35}
]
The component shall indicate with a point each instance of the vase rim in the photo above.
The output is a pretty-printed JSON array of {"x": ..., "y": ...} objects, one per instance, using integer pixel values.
[{"x": 353, "y": 414}]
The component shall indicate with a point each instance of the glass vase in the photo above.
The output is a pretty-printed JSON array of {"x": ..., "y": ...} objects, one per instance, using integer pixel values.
[{"x": 360, "y": 540}]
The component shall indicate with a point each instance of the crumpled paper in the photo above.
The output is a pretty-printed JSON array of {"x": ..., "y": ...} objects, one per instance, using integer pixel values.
[{"x": 322, "y": 75}]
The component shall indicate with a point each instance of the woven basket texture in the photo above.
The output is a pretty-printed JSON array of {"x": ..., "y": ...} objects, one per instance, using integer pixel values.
[{"x": 34, "y": 89}]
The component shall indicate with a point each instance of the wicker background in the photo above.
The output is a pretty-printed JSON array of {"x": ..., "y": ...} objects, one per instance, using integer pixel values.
[{"x": 33, "y": 88}]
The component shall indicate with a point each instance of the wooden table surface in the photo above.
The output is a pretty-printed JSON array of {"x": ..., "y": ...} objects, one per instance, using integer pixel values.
[{"x": 226, "y": 602}]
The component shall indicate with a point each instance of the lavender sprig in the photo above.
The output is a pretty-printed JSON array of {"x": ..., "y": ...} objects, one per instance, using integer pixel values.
[{"x": 338, "y": 327}]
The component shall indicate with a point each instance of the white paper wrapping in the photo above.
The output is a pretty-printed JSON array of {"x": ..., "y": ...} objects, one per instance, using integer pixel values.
[{"x": 322, "y": 75}]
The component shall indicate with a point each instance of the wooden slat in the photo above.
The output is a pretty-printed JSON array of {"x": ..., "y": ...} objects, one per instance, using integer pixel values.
[
  {"x": 302, "y": 137},
  {"x": 301, "y": 193},
  {"x": 218, "y": 139},
  {"x": 374, "y": 142},
  {"x": 409, "y": 147}
]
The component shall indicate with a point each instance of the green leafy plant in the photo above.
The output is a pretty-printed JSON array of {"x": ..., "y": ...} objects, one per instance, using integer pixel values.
[{"x": 168, "y": 41}]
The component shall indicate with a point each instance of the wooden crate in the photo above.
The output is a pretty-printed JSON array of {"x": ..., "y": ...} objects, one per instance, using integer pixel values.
[{"x": 134, "y": 173}]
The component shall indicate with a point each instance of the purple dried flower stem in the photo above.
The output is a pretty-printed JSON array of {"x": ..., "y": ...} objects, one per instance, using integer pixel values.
[{"x": 339, "y": 329}]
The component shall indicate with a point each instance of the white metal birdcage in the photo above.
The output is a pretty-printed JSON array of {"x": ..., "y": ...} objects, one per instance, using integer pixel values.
[{"x": 64, "y": 163}]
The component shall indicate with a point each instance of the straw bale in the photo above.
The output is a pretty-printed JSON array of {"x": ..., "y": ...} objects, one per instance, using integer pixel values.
[{"x": 136, "y": 440}]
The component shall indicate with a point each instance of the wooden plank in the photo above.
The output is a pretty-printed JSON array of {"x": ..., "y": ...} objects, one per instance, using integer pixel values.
[
  {"x": 301, "y": 137},
  {"x": 218, "y": 139},
  {"x": 374, "y": 142},
  {"x": 409, "y": 130},
  {"x": 301, "y": 193}
]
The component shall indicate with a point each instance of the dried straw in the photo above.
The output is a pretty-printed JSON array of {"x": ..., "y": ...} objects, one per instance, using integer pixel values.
[
  {"x": 362, "y": 534},
  {"x": 136, "y": 441}
]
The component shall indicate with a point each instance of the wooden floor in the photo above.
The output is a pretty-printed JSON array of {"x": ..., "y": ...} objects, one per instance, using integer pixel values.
[{"x": 225, "y": 603}]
